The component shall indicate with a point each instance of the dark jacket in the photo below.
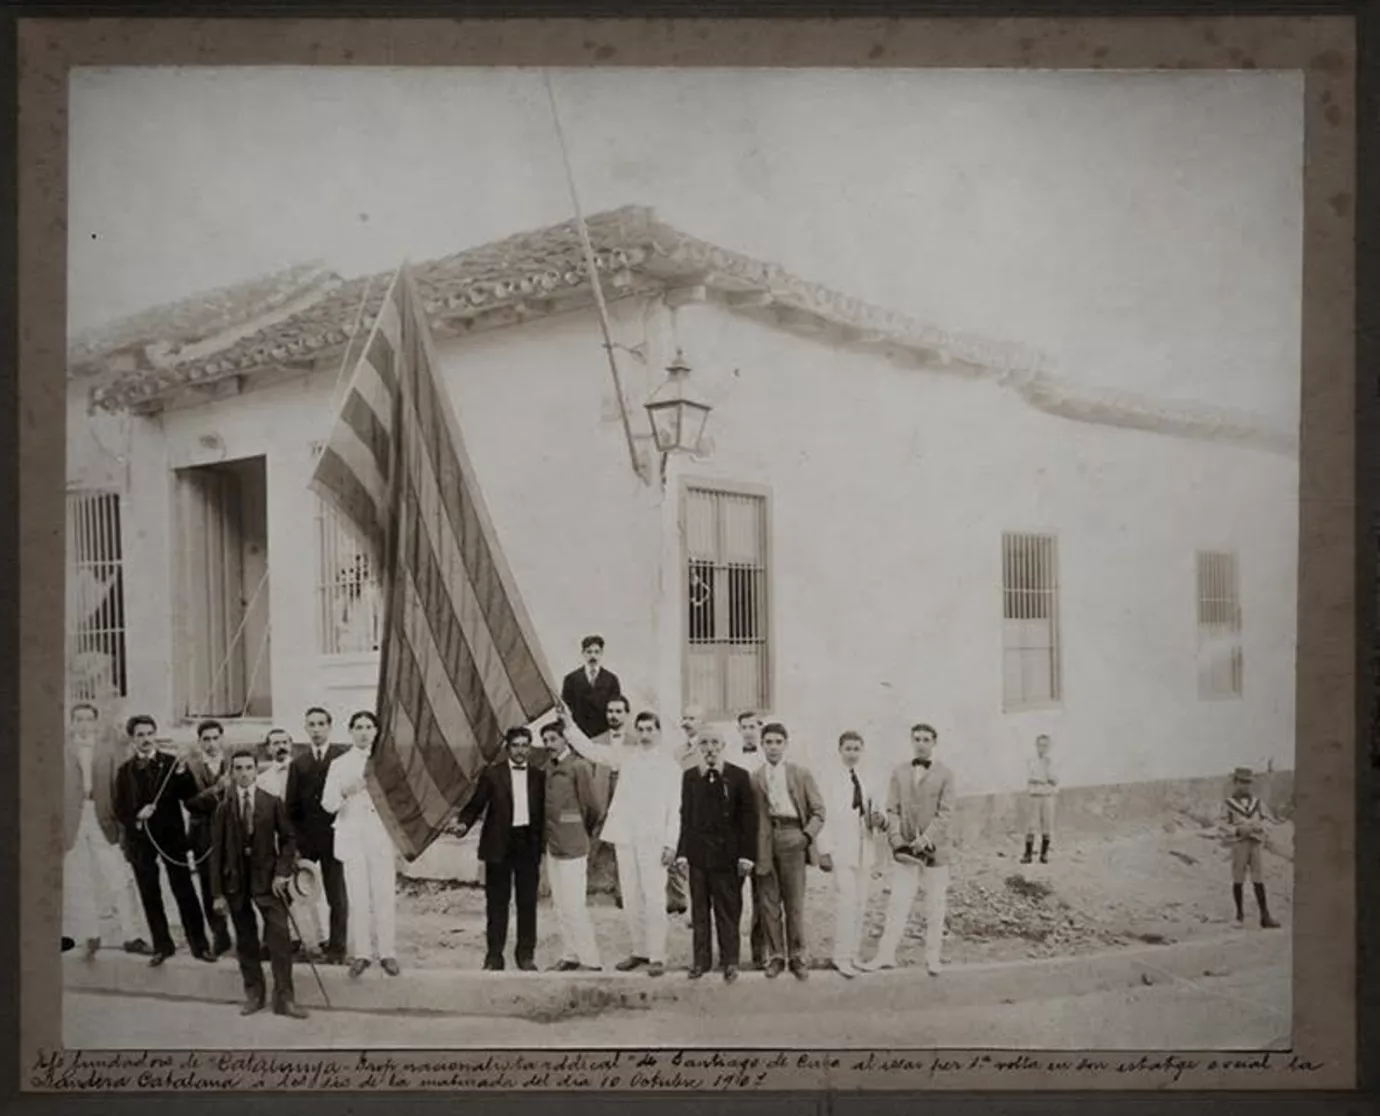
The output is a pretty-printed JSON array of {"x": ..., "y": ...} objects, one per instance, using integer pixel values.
[
  {"x": 718, "y": 822},
  {"x": 493, "y": 798},
  {"x": 273, "y": 849},
  {"x": 306, "y": 780},
  {"x": 200, "y": 792},
  {"x": 589, "y": 704},
  {"x": 136, "y": 787}
]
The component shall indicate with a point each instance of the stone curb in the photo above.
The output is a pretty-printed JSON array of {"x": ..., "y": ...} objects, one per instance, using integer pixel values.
[{"x": 551, "y": 996}]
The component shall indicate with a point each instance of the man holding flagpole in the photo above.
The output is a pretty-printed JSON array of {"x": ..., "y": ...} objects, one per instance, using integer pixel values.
[{"x": 396, "y": 470}]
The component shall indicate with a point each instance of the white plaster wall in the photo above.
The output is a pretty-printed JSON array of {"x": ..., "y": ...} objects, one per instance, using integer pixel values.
[{"x": 890, "y": 491}]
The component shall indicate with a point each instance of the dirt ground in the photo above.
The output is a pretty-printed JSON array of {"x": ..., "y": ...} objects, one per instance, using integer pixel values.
[{"x": 1150, "y": 885}]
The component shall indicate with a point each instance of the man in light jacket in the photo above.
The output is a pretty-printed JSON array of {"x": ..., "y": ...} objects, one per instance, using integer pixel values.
[
  {"x": 920, "y": 802},
  {"x": 847, "y": 847},
  {"x": 643, "y": 826},
  {"x": 574, "y": 813},
  {"x": 790, "y": 810}
]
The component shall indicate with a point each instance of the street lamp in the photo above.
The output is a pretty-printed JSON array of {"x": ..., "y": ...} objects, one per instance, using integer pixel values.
[{"x": 677, "y": 414}]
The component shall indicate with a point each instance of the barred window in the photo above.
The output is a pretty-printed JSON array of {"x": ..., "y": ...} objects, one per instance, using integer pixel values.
[
  {"x": 1030, "y": 622},
  {"x": 95, "y": 628},
  {"x": 727, "y": 653},
  {"x": 349, "y": 593},
  {"x": 1220, "y": 665}
]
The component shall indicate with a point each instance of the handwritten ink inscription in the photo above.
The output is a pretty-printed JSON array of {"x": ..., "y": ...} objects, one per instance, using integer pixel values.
[{"x": 650, "y": 1071}]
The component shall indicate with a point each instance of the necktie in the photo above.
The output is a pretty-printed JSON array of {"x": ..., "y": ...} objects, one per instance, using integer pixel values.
[
  {"x": 319, "y": 753},
  {"x": 712, "y": 775},
  {"x": 857, "y": 792},
  {"x": 247, "y": 813},
  {"x": 919, "y": 763}
]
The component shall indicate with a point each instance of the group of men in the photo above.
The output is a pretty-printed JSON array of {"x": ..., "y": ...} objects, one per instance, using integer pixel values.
[
  {"x": 241, "y": 845},
  {"x": 706, "y": 825}
]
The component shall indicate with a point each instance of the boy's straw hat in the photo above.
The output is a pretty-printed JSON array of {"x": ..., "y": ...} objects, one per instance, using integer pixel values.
[{"x": 1243, "y": 773}]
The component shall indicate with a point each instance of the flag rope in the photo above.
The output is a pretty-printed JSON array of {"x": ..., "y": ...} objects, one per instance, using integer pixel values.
[{"x": 595, "y": 285}]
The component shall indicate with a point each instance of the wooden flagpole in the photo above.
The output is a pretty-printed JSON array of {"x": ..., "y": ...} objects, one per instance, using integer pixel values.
[{"x": 596, "y": 286}]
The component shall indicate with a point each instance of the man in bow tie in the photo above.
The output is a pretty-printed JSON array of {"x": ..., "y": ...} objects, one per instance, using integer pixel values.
[
  {"x": 717, "y": 847},
  {"x": 315, "y": 826},
  {"x": 511, "y": 798},
  {"x": 920, "y": 802},
  {"x": 847, "y": 847}
]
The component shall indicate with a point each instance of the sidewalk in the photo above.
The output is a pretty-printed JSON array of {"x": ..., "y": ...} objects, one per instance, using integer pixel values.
[{"x": 553, "y": 996}]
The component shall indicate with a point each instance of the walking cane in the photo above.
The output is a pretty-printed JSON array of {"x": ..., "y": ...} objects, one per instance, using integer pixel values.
[{"x": 287, "y": 903}]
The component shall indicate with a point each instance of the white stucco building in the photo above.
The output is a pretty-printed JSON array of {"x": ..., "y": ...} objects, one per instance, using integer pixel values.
[{"x": 889, "y": 524}]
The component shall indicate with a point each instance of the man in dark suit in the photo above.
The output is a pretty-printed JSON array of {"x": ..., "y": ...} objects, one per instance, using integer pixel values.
[
  {"x": 587, "y": 692},
  {"x": 252, "y": 858},
  {"x": 315, "y": 827},
  {"x": 154, "y": 831},
  {"x": 511, "y": 795},
  {"x": 201, "y": 779},
  {"x": 718, "y": 847}
]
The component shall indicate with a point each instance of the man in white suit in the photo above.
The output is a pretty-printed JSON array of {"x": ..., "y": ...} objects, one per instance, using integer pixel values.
[
  {"x": 920, "y": 802},
  {"x": 847, "y": 847},
  {"x": 643, "y": 826}
]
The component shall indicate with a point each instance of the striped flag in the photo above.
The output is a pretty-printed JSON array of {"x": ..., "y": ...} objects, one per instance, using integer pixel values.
[{"x": 460, "y": 663}]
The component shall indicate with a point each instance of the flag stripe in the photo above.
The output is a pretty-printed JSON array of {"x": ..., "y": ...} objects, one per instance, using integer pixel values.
[
  {"x": 433, "y": 762},
  {"x": 408, "y": 813},
  {"x": 414, "y": 795},
  {"x": 453, "y": 686},
  {"x": 521, "y": 665},
  {"x": 380, "y": 357},
  {"x": 458, "y": 662},
  {"x": 369, "y": 382},
  {"x": 359, "y": 417},
  {"x": 466, "y": 637},
  {"x": 337, "y": 482},
  {"x": 446, "y": 633}
]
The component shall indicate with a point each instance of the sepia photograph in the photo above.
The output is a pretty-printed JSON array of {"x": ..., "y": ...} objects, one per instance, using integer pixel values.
[{"x": 681, "y": 558}]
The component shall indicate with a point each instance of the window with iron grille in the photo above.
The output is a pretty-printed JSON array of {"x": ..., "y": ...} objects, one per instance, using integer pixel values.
[
  {"x": 349, "y": 594},
  {"x": 1030, "y": 622},
  {"x": 96, "y": 666},
  {"x": 727, "y": 646},
  {"x": 1220, "y": 666}
]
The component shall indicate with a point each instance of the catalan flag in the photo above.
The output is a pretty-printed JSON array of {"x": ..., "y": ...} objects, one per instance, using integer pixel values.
[{"x": 460, "y": 663}]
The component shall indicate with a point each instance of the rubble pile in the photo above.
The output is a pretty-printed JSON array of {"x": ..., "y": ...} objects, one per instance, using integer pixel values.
[{"x": 1018, "y": 908}]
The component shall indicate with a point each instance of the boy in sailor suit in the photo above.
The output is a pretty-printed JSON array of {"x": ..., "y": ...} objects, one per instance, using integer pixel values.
[{"x": 1243, "y": 826}]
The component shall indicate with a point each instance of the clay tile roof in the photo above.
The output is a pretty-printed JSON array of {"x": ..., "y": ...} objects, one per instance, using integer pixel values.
[
  {"x": 198, "y": 318},
  {"x": 306, "y": 314}
]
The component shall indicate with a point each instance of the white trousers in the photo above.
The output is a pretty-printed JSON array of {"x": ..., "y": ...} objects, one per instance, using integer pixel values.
[
  {"x": 905, "y": 882},
  {"x": 850, "y": 905},
  {"x": 96, "y": 881},
  {"x": 371, "y": 884},
  {"x": 569, "y": 879},
  {"x": 311, "y": 917},
  {"x": 642, "y": 883}
]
